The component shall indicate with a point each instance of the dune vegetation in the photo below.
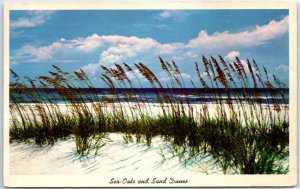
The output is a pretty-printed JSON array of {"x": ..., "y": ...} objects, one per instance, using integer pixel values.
[{"x": 249, "y": 133}]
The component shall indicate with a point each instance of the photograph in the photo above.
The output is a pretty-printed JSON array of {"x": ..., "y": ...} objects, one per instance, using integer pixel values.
[{"x": 155, "y": 95}]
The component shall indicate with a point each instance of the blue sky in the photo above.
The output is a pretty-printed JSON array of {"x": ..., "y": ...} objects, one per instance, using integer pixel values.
[{"x": 87, "y": 39}]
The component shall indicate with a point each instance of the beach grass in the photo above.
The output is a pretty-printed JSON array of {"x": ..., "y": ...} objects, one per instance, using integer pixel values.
[{"x": 247, "y": 136}]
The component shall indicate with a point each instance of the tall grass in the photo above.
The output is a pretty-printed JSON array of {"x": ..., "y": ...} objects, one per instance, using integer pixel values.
[{"x": 247, "y": 131}]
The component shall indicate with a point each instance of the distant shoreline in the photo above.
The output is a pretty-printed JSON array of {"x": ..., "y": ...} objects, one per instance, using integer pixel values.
[{"x": 169, "y": 90}]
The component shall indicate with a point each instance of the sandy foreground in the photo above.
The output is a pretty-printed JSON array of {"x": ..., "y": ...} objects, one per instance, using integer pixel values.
[{"x": 116, "y": 156}]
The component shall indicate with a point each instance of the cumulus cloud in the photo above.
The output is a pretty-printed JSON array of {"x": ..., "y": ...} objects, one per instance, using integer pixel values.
[
  {"x": 282, "y": 68},
  {"x": 115, "y": 48},
  {"x": 130, "y": 47},
  {"x": 114, "y": 43},
  {"x": 34, "y": 18},
  {"x": 121, "y": 47},
  {"x": 225, "y": 40},
  {"x": 89, "y": 43},
  {"x": 31, "y": 53},
  {"x": 231, "y": 55},
  {"x": 91, "y": 68}
]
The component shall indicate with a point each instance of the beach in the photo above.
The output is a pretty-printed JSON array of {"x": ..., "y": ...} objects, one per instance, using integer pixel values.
[
  {"x": 133, "y": 109},
  {"x": 116, "y": 156},
  {"x": 119, "y": 154}
]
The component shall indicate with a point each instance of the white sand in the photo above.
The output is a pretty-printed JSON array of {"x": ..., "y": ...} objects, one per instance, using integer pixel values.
[
  {"x": 116, "y": 156},
  {"x": 154, "y": 109}
]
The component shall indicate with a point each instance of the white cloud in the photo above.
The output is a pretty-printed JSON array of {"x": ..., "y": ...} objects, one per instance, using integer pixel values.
[
  {"x": 125, "y": 47},
  {"x": 165, "y": 14},
  {"x": 231, "y": 55},
  {"x": 96, "y": 41},
  {"x": 130, "y": 75},
  {"x": 31, "y": 53},
  {"x": 66, "y": 61},
  {"x": 175, "y": 15},
  {"x": 164, "y": 78},
  {"x": 282, "y": 68},
  {"x": 91, "y": 68},
  {"x": 169, "y": 48},
  {"x": 133, "y": 76},
  {"x": 116, "y": 49},
  {"x": 34, "y": 18},
  {"x": 245, "y": 65},
  {"x": 185, "y": 76},
  {"x": 89, "y": 43},
  {"x": 225, "y": 40},
  {"x": 190, "y": 54},
  {"x": 159, "y": 26}
]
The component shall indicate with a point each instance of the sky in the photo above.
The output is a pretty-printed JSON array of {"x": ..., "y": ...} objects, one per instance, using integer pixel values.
[{"x": 86, "y": 39}]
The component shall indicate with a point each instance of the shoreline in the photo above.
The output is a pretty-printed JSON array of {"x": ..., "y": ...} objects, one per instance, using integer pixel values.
[{"x": 133, "y": 109}]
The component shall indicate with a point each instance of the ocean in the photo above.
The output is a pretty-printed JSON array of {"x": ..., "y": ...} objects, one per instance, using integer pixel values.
[{"x": 150, "y": 95}]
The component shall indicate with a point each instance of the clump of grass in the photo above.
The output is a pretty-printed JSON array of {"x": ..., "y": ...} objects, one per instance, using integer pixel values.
[{"x": 248, "y": 133}]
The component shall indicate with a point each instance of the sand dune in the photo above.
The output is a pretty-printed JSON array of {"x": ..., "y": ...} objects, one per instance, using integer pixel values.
[{"x": 116, "y": 156}]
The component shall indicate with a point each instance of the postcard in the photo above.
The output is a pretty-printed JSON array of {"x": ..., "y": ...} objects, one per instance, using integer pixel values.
[{"x": 183, "y": 94}]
